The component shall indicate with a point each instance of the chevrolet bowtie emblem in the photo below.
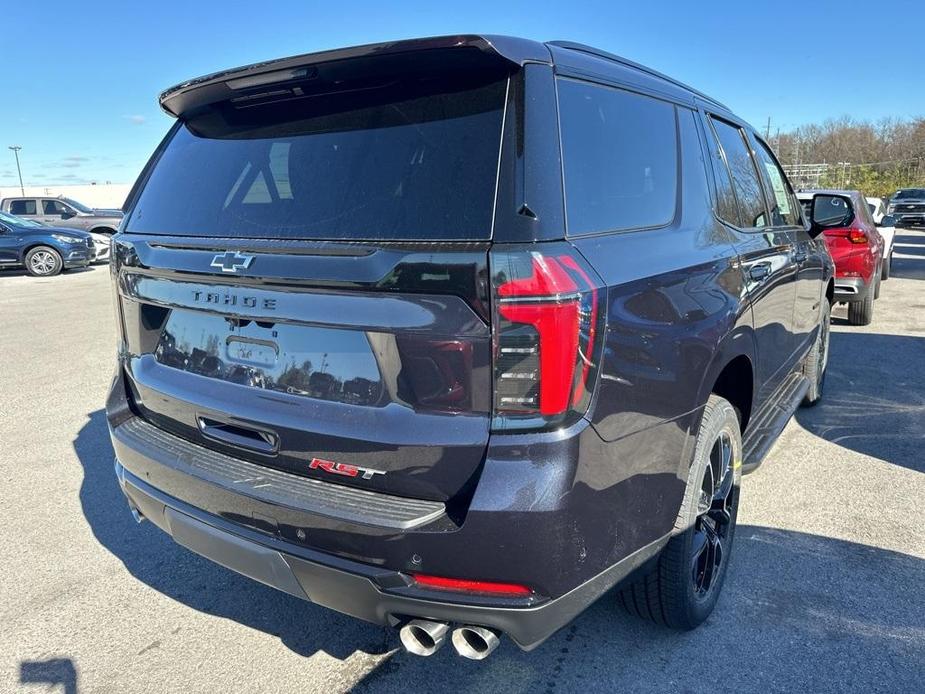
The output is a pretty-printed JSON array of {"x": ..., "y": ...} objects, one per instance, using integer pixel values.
[{"x": 232, "y": 261}]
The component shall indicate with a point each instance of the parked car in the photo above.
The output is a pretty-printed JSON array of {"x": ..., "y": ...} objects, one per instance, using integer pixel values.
[
  {"x": 887, "y": 228},
  {"x": 63, "y": 212},
  {"x": 877, "y": 208},
  {"x": 856, "y": 246},
  {"x": 42, "y": 250},
  {"x": 101, "y": 243},
  {"x": 908, "y": 206},
  {"x": 424, "y": 367}
]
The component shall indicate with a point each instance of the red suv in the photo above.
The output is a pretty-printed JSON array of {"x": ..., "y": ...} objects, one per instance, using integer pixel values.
[{"x": 855, "y": 245}]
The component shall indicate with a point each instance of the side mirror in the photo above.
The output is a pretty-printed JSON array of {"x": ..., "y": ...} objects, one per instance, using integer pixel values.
[
  {"x": 829, "y": 212},
  {"x": 887, "y": 221},
  {"x": 67, "y": 215}
]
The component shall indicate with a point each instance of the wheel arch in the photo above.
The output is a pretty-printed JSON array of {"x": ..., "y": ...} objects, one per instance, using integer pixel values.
[
  {"x": 731, "y": 374},
  {"x": 38, "y": 244},
  {"x": 102, "y": 229}
]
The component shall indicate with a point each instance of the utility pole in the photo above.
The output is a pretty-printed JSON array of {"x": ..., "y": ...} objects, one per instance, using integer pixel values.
[
  {"x": 16, "y": 149},
  {"x": 767, "y": 130}
]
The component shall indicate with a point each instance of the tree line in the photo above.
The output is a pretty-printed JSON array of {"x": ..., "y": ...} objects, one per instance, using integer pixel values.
[{"x": 876, "y": 158}]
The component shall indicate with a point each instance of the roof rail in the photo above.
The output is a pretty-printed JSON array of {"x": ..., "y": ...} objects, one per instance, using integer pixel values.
[{"x": 571, "y": 45}]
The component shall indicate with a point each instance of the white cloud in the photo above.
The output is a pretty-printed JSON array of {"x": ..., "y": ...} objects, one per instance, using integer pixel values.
[{"x": 135, "y": 119}]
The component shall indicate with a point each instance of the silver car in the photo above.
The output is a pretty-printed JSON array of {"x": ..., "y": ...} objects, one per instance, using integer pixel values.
[{"x": 63, "y": 212}]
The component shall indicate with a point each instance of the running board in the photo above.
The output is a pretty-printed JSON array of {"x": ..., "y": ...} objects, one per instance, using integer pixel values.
[{"x": 767, "y": 426}]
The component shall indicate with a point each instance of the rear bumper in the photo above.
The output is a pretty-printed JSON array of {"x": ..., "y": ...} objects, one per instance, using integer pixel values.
[
  {"x": 536, "y": 517},
  {"x": 374, "y": 594},
  {"x": 850, "y": 289}
]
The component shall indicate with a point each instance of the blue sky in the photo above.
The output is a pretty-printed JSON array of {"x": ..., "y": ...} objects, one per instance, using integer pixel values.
[{"x": 80, "y": 80}]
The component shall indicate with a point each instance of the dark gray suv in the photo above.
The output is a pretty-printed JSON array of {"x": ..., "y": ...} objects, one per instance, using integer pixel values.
[{"x": 456, "y": 334}]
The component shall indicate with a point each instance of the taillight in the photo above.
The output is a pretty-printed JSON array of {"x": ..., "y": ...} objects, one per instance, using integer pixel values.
[
  {"x": 548, "y": 324},
  {"x": 853, "y": 234},
  {"x": 857, "y": 236},
  {"x": 462, "y": 585}
]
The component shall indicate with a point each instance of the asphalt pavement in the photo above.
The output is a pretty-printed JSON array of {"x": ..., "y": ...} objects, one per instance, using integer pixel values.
[{"x": 826, "y": 590}]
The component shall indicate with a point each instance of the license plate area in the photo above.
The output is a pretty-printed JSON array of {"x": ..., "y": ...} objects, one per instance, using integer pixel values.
[
  {"x": 323, "y": 363},
  {"x": 251, "y": 352}
]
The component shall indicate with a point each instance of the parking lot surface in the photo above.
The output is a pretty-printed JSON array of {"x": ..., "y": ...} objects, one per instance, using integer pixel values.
[{"x": 826, "y": 590}]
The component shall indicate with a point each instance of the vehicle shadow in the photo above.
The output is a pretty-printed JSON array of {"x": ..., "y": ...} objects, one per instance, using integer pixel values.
[
  {"x": 799, "y": 612},
  {"x": 154, "y": 559},
  {"x": 796, "y": 609},
  {"x": 52, "y": 673},
  {"x": 21, "y": 271},
  {"x": 874, "y": 401}
]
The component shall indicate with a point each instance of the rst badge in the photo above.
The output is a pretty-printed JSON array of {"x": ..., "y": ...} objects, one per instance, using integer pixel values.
[{"x": 333, "y": 468}]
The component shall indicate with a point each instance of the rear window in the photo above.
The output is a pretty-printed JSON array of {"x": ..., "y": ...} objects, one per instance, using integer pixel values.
[
  {"x": 22, "y": 207},
  {"x": 620, "y": 153},
  {"x": 414, "y": 160}
]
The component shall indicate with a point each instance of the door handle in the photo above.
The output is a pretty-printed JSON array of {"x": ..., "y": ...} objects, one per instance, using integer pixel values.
[
  {"x": 241, "y": 437},
  {"x": 759, "y": 272}
]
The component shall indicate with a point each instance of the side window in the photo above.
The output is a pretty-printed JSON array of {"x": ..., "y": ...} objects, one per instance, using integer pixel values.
[
  {"x": 784, "y": 208},
  {"x": 745, "y": 181},
  {"x": 22, "y": 207},
  {"x": 726, "y": 206},
  {"x": 620, "y": 158},
  {"x": 54, "y": 207}
]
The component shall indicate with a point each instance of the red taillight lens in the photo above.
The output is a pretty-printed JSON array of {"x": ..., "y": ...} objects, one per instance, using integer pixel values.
[
  {"x": 462, "y": 585},
  {"x": 546, "y": 335},
  {"x": 853, "y": 234},
  {"x": 857, "y": 236}
]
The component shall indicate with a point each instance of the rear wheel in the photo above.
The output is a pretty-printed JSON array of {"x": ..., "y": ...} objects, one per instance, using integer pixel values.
[
  {"x": 684, "y": 583},
  {"x": 43, "y": 261},
  {"x": 877, "y": 281},
  {"x": 862, "y": 312},
  {"x": 818, "y": 358},
  {"x": 887, "y": 266}
]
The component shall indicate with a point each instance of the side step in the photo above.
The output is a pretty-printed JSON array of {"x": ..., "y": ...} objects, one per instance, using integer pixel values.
[{"x": 767, "y": 426}]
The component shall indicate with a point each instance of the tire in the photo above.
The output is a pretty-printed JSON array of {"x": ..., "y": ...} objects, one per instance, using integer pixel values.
[
  {"x": 43, "y": 261},
  {"x": 862, "y": 312},
  {"x": 887, "y": 266},
  {"x": 815, "y": 362},
  {"x": 683, "y": 584},
  {"x": 877, "y": 281}
]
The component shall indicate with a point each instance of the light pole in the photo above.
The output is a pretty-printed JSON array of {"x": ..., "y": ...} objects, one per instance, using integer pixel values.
[{"x": 16, "y": 149}]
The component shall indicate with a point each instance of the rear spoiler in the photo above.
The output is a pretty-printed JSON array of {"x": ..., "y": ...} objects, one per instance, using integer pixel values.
[{"x": 243, "y": 81}]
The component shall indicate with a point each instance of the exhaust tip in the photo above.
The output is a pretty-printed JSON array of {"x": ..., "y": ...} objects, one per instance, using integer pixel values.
[
  {"x": 136, "y": 514},
  {"x": 475, "y": 643},
  {"x": 423, "y": 637}
]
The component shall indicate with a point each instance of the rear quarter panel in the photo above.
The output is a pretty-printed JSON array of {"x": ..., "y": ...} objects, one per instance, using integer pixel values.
[{"x": 676, "y": 314}]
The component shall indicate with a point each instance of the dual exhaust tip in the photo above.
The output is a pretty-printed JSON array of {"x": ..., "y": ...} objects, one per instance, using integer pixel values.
[{"x": 424, "y": 637}]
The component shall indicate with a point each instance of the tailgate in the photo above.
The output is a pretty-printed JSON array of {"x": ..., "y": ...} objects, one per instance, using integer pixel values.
[{"x": 361, "y": 365}]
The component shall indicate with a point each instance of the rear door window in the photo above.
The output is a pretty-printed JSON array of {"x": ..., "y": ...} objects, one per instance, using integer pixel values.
[
  {"x": 749, "y": 193},
  {"x": 785, "y": 210},
  {"x": 22, "y": 207},
  {"x": 412, "y": 160},
  {"x": 620, "y": 154}
]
